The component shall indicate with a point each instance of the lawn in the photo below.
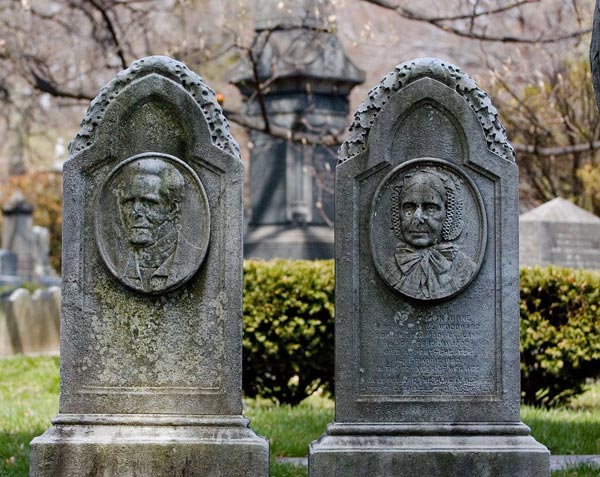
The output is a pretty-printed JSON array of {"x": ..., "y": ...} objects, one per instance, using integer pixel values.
[{"x": 29, "y": 398}]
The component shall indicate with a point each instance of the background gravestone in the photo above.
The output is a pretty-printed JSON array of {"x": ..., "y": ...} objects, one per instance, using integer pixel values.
[
  {"x": 8, "y": 262},
  {"x": 560, "y": 233},
  {"x": 427, "y": 288},
  {"x": 30, "y": 322},
  {"x": 30, "y": 243},
  {"x": 151, "y": 331},
  {"x": 17, "y": 233},
  {"x": 305, "y": 79}
]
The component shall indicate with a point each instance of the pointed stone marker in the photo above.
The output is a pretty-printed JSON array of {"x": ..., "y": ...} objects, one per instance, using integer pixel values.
[
  {"x": 427, "y": 288},
  {"x": 151, "y": 330}
]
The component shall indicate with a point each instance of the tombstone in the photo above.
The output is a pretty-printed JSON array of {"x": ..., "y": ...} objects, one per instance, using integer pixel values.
[
  {"x": 17, "y": 223},
  {"x": 559, "y": 233},
  {"x": 8, "y": 263},
  {"x": 427, "y": 287},
  {"x": 29, "y": 322},
  {"x": 309, "y": 77},
  {"x": 30, "y": 243},
  {"x": 151, "y": 329}
]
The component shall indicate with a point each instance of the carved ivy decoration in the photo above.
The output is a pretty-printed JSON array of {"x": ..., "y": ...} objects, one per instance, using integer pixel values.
[
  {"x": 409, "y": 72},
  {"x": 178, "y": 72}
]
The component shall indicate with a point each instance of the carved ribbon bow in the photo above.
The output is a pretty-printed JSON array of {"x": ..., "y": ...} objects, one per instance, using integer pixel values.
[{"x": 421, "y": 268}]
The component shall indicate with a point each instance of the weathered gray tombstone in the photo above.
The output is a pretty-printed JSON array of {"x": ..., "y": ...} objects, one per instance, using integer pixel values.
[
  {"x": 560, "y": 233},
  {"x": 30, "y": 243},
  {"x": 8, "y": 263},
  {"x": 17, "y": 233},
  {"x": 427, "y": 287},
  {"x": 30, "y": 322},
  {"x": 151, "y": 332}
]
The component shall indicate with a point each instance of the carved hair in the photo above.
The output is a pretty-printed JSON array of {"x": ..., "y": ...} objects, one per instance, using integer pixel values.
[
  {"x": 172, "y": 182},
  {"x": 451, "y": 193}
]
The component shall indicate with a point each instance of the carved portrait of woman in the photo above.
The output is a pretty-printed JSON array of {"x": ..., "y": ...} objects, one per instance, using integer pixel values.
[{"x": 427, "y": 215}]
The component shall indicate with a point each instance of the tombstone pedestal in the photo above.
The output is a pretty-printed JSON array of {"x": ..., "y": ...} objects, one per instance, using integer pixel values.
[
  {"x": 132, "y": 445},
  {"x": 413, "y": 450}
]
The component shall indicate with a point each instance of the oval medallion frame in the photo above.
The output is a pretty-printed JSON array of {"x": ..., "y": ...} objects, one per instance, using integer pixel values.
[
  {"x": 423, "y": 264},
  {"x": 191, "y": 223}
]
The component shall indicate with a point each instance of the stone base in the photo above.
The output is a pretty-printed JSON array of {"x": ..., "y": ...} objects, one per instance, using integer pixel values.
[
  {"x": 415, "y": 451},
  {"x": 152, "y": 446},
  {"x": 313, "y": 242}
]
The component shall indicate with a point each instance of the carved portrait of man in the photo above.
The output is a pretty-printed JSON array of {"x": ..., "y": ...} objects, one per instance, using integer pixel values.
[
  {"x": 149, "y": 197},
  {"x": 152, "y": 222},
  {"x": 427, "y": 216}
]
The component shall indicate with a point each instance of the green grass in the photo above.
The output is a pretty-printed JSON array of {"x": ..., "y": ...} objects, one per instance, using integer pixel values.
[
  {"x": 287, "y": 470},
  {"x": 565, "y": 431},
  {"x": 29, "y": 399},
  {"x": 581, "y": 471},
  {"x": 290, "y": 429}
]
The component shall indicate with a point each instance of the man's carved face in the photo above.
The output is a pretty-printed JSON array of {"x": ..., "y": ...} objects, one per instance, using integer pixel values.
[
  {"x": 144, "y": 209},
  {"x": 422, "y": 214}
]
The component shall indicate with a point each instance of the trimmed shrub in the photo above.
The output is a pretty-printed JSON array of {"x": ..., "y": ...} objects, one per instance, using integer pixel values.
[
  {"x": 288, "y": 329},
  {"x": 560, "y": 333}
]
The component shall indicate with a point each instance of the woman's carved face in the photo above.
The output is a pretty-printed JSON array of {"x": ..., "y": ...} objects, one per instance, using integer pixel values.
[{"x": 422, "y": 213}]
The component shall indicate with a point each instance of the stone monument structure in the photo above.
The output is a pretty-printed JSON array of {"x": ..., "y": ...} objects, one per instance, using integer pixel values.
[
  {"x": 560, "y": 233},
  {"x": 301, "y": 81},
  {"x": 151, "y": 331},
  {"x": 427, "y": 287},
  {"x": 30, "y": 243}
]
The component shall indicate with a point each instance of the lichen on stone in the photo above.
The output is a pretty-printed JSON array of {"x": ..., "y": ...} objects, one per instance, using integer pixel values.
[{"x": 409, "y": 72}]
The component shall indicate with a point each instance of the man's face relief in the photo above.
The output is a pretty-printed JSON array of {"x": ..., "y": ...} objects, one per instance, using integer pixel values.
[
  {"x": 422, "y": 214},
  {"x": 144, "y": 209}
]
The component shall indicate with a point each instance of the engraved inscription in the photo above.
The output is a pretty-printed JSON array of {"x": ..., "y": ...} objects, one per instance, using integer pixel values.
[
  {"x": 152, "y": 223},
  {"x": 427, "y": 355},
  {"x": 426, "y": 202}
]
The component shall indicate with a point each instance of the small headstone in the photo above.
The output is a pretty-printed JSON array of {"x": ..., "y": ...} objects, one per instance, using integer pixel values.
[
  {"x": 559, "y": 233},
  {"x": 427, "y": 287},
  {"x": 30, "y": 243},
  {"x": 152, "y": 293},
  {"x": 8, "y": 262},
  {"x": 29, "y": 322},
  {"x": 17, "y": 236}
]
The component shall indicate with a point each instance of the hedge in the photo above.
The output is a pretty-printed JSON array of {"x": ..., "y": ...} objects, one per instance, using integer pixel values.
[
  {"x": 289, "y": 331},
  {"x": 560, "y": 333}
]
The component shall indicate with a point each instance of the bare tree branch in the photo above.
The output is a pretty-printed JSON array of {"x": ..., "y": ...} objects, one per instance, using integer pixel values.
[
  {"x": 326, "y": 139},
  {"x": 441, "y": 22},
  {"x": 112, "y": 31},
  {"x": 557, "y": 151}
]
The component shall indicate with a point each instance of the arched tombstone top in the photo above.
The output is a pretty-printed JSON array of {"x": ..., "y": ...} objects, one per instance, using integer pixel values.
[
  {"x": 410, "y": 72},
  {"x": 176, "y": 71}
]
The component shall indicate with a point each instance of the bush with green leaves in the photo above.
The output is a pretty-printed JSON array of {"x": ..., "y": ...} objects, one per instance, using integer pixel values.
[
  {"x": 560, "y": 333},
  {"x": 288, "y": 329}
]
